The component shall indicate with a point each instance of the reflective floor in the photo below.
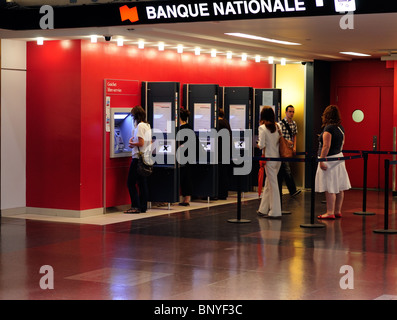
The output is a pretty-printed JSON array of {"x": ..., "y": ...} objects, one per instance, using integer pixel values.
[{"x": 198, "y": 254}]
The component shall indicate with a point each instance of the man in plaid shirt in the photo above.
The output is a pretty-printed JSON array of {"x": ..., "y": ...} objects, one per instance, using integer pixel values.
[{"x": 289, "y": 134}]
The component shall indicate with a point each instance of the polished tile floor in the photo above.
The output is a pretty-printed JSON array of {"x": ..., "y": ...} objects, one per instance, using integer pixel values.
[{"x": 198, "y": 254}]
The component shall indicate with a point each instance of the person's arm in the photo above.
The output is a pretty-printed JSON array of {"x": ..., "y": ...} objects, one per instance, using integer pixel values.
[
  {"x": 294, "y": 140},
  {"x": 261, "y": 137},
  {"x": 327, "y": 138}
]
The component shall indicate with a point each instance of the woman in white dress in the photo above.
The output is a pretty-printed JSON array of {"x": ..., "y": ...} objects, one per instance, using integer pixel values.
[
  {"x": 331, "y": 176},
  {"x": 269, "y": 137}
]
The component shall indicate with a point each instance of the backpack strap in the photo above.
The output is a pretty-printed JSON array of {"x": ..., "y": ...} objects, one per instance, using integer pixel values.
[{"x": 288, "y": 128}]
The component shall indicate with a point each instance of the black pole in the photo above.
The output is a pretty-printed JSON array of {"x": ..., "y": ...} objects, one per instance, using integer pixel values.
[
  {"x": 365, "y": 182},
  {"x": 239, "y": 220},
  {"x": 386, "y": 230},
  {"x": 387, "y": 169},
  {"x": 313, "y": 197}
]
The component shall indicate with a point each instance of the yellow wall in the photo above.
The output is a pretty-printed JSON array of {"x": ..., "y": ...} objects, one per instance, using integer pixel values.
[{"x": 291, "y": 79}]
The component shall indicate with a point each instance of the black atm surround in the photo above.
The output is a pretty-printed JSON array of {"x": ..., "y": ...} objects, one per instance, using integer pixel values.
[
  {"x": 205, "y": 176},
  {"x": 236, "y": 96},
  {"x": 164, "y": 182}
]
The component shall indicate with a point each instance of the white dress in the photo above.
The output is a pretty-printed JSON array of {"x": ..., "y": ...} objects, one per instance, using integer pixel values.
[{"x": 335, "y": 179}]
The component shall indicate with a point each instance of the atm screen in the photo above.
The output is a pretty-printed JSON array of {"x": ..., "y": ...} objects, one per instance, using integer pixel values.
[{"x": 237, "y": 117}]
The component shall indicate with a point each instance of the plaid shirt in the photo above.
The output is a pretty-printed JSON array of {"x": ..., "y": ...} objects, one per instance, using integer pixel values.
[{"x": 284, "y": 130}]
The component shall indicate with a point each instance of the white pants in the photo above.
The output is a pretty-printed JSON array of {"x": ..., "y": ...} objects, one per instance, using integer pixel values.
[{"x": 270, "y": 203}]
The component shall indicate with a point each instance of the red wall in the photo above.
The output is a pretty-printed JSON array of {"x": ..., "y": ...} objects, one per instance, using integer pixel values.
[
  {"x": 65, "y": 119},
  {"x": 53, "y": 125}
]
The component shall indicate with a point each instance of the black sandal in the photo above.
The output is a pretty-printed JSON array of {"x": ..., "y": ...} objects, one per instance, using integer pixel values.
[{"x": 132, "y": 211}]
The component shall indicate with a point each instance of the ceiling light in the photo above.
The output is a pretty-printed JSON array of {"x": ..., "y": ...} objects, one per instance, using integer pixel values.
[
  {"x": 120, "y": 42},
  {"x": 161, "y": 46},
  {"x": 271, "y": 60},
  {"x": 94, "y": 39},
  {"x": 229, "y": 55},
  {"x": 179, "y": 48},
  {"x": 197, "y": 51},
  {"x": 40, "y": 41},
  {"x": 283, "y": 61},
  {"x": 213, "y": 53},
  {"x": 244, "y": 57},
  {"x": 141, "y": 44},
  {"x": 252, "y": 37},
  {"x": 257, "y": 58},
  {"x": 356, "y": 54}
]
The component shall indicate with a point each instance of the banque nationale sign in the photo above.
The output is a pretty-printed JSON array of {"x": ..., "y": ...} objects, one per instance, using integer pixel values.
[{"x": 152, "y": 12}]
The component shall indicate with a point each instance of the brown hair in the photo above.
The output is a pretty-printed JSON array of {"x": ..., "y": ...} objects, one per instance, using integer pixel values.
[
  {"x": 331, "y": 116},
  {"x": 139, "y": 114},
  {"x": 184, "y": 114},
  {"x": 268, "y": 118}
]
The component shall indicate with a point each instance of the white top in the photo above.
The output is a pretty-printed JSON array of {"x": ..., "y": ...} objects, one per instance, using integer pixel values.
[
  {"x": 270, "y": 141},
  {"x": 142, "y": 130}
]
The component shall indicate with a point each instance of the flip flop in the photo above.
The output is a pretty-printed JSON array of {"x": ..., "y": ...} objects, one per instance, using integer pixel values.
[
  {"x": 132, "y": 211},
  {"x": 326, "y": 217}
]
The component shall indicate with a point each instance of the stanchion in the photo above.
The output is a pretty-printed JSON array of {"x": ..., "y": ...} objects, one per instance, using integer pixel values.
[
  {"x": 364, "y": 212},
  {"x": 239, "y": 220},
  {"x": 386, "y": 230},
  {"x": 313, "y": 198}
]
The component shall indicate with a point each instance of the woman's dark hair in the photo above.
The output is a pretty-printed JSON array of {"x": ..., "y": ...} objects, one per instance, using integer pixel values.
[
  {"x": 221, "y": 113},
  {"x": 139, "y": 114},
  {"x": 184, "y": 114},
  {"x": 269, "y": 118},
  {"x": 331, "y": 116}
]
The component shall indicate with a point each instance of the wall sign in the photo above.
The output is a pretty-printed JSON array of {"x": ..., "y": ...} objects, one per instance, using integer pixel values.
[{"x": 152, "y": 12}]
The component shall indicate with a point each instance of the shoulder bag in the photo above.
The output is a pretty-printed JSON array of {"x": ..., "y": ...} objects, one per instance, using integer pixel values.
[
  {"x": 285, "y": 147},
  {"x": 144, "y": 168}
]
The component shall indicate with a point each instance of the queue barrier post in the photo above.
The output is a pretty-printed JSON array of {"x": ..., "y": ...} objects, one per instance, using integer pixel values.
[
  {"x": 239, "y": 220},
  {"x": 365, "y": 180},
  {"x": 313, "y": 197},
  {"x": 386, "y": 229}
]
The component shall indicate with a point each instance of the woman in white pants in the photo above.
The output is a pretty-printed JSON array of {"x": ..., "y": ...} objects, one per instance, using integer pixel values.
[{"x": 269, "y": 137}]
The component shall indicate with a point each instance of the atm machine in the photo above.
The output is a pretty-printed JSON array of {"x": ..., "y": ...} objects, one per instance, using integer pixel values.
[
  {"x": 202, "y": 102},
  {"x": 120, "y": 129},
  {"x": 263, "y": 97},
  {"x": 161, "y": 102},
  {"x": 237, "y": 104}
]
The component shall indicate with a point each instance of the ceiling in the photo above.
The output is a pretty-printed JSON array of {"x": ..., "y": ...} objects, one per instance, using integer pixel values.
[{"x": 321, "y": 38}]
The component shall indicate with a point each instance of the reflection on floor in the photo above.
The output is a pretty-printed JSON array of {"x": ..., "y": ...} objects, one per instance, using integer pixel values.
[{"x": 197, "y": 254}]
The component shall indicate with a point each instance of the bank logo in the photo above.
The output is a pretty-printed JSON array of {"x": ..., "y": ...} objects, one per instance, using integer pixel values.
[
  {"x": 345, "y": 5},
  {"x": 128, "y": 13}
]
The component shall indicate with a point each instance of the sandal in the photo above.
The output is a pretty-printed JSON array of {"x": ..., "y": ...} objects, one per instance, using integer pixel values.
[
  {"x": 338, "y": 215},
  {"x": 132, "y": 211},
  {"x": 327, "y": 216}
]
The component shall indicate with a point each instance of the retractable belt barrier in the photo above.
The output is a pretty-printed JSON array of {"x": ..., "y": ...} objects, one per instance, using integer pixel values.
[
  {"x": 313, "y": 159},
  {"x": 386, "y": 229}
]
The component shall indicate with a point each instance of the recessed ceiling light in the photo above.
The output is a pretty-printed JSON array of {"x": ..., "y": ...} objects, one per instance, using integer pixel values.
[
  {"x": 355, "y": 54},
  {"x": 252, "y": 37}
]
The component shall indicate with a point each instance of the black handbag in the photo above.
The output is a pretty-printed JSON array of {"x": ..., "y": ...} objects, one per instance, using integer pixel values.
[{"x": 144, "y": 169}]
